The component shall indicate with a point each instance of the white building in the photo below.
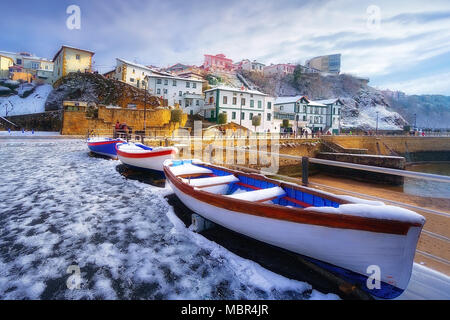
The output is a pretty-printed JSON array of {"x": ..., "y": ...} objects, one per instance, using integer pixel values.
[
  {"x": 241, "y": 106},
  {"x": 252, "y": 66},
  {"x": 187, "y": 92},
  {"x": 322, "y": 115}
]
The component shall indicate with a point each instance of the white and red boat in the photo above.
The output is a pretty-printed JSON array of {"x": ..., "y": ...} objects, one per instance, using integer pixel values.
[
  {"x": 368, "y": 243},
  {"x": 142, "y": 157}
]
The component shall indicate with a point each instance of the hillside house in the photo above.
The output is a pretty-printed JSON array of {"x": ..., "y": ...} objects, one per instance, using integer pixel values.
[
  {"x": 187, "y": 92},
  {"x": 218, "y": 63},
  {"x": 281, "y": 69},
  {"x": 69, "y": 59}
]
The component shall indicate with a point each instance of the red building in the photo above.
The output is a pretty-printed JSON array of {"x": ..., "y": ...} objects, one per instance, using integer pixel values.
[{"x": 218, "y": 62}]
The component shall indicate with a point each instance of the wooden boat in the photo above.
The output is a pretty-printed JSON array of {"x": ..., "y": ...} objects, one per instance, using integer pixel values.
[
  {"x": 142, "y": 157},
  {"x": 369, "y": 244},
  {"x": 104, "y": 146}
]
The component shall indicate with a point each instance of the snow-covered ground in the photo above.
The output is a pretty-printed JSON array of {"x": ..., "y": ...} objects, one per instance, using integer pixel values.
[
  {"x": 34, "y": 103},
  {"x": 28, "y": 133},
  {"x": 367, "y": 118},
  {"x": 59, "y": 207}
]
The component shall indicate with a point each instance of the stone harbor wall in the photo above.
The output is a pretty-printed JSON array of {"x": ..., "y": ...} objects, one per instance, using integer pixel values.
[
  {"x": 370, "y": 160},
  {"x": 76, "y": 121},
  {"x": 45, "y": 121}
]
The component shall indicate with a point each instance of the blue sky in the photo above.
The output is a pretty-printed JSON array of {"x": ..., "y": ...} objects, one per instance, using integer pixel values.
[{"x": 409, "y": 51}]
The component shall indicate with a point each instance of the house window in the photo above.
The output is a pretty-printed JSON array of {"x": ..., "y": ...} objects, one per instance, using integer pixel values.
[
  {"x": 233, "y": 115},
  {"x": 77, "y": 57},
  {"x": 188, "y": 84},
  {"x": 180, "y": 93},
  {"x": 158, "y": 91},
  {"x": 281, "y": 108},
  {"x": 165, "y": 91},
  {"x": 166, "y": 82},
  {"x": 211, "y": 99},
  {"x": 19, "y": 61},
  {"x": 134, "y": 71},
  {"x": 212, "y": 113},
  {"x": 269, "y": 116},
  {"x": 174, "y": 83},
  {"x": 119, "y": 69},
  {"x": 269, "y": 105},
  {"x": 304, "y": 118},
  {"x": 243, "y": 115},
  {"x": 158, "y": 81},
  {"x": 194, "y": 85},
  {"x": 131, "y": 79},
  {"x": 234, "y": 100},
  {"x": 259, "y": 104},
  {"x": 251, "y": 116},
  {"x": 179, "y": 102},
  {"x": 243, "y": 102},
  {"x": 252, "y": 103},
  {"x": 225, "y": 100},
  {"x": 197, "y": 102}
]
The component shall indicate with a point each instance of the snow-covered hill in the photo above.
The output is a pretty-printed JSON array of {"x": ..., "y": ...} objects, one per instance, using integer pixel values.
[
  {"x": 33, "y": 103},
  {"x": 361, "y": 102}
]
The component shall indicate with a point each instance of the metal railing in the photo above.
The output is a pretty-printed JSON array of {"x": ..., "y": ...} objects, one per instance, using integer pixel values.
[{"x": 404, "y": 173}]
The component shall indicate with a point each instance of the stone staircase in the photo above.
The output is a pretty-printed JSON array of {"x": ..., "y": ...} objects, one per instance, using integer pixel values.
[{"x": 328, "y": 146}]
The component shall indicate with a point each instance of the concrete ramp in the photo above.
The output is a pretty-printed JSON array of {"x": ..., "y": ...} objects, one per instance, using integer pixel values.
[{"x": 426, "y": 284}]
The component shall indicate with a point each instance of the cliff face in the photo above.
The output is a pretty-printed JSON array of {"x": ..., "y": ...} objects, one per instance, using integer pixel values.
[
  {"x": 432, "y": 111},
  {"x": 89, "y": 87},
  {"x": 362, "y": 103}
]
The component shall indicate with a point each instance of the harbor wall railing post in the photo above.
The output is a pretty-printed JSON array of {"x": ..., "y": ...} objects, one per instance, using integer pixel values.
[{"x": 305, "y": 170}]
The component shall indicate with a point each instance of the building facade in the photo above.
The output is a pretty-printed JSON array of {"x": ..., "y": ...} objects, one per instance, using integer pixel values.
[
  {"x": 186, "y": 92},
  {"x": 251, "y": 66},
  {"x": 5, "y": 64},
  {"x": 27, "y": 66},
  {"x": 281, "y": 69},
  {"x": 241, "y": 106},
  {"x": 218, "y": 63},
  {"x": 317, "y": 116},
  {"x": 329, "y": 63},
  {"x": 69, "y": 59}
]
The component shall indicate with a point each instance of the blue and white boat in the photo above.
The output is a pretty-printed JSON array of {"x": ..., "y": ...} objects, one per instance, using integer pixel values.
[{"x": 104, "y": 146}]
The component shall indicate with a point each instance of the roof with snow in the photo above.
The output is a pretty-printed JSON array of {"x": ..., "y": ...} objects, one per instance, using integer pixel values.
[
  {"x": 291, "y": 99},
  {"x": 329, "y": 101},
  {"x": 234, "y": 89},
  {"x": 69, "y": 47},
  {"x": 155, "y": 73},
  {"x": 7, "y": 54}
]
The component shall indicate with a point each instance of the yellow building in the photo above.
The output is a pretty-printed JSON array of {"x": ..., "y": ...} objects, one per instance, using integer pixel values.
[
  {"x": 69, "y": 59},
  {"x": 5, "y": 63}
]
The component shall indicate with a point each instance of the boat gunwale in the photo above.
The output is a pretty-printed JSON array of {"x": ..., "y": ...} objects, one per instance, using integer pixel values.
[
  {"x": 147, "y": 153},
  {"x": 291, "y": 214}
]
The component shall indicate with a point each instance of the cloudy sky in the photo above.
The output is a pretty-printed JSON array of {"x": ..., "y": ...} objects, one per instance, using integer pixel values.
[{"x": 402, "y": 45}]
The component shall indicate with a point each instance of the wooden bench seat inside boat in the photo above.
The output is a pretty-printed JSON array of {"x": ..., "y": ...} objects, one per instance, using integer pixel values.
[
  {"x": 260, "y": 195},
  {"x": 188, "y": 169},
  {"x": 211, "y": 181}
]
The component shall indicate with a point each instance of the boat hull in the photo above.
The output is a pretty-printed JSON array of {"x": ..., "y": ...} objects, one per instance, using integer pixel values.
[
  {"x": 151, "y": 160},
  {"x": 345, "y": 251},
  {"x": 105, "y": 148}
]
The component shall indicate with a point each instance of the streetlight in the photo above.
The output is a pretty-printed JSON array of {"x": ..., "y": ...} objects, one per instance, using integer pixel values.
[
  {"x": 145, "y": 103},
  {"x": 376, "y": 130}
]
